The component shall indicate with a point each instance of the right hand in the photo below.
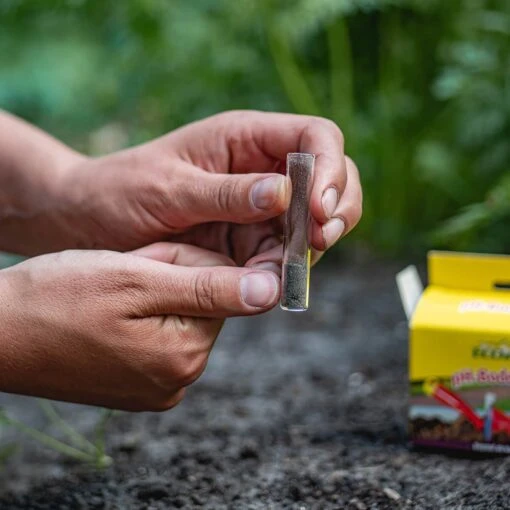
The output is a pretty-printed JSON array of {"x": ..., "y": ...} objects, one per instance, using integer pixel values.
[{"x": 126, "y": 331}]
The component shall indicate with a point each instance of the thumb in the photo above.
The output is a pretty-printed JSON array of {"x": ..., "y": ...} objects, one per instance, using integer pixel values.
[
  {"x": 235, "y": 198},
  {"x": 214, "y": 292}
]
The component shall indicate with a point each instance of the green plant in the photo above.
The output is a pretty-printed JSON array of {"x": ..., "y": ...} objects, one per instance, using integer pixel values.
[
  {"x": 476, "y": 81},
  {"x": 6, "y": 450},
  {"x": 483, "y": 225},
  {"x": 78, "y": 448},
  {"x": 410, "y": 138}
]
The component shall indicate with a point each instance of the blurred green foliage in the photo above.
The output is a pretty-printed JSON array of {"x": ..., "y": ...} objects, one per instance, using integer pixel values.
[{"x": 421, "y": 89}]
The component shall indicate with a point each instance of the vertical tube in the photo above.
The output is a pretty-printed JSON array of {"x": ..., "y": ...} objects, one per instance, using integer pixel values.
[{"x": 296, "y": 252}]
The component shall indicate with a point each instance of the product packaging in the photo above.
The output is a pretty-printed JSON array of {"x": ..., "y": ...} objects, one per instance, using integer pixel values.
[{"x": 459, "y": 352}]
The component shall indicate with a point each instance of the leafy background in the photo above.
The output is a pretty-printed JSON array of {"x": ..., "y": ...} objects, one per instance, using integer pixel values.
[{"x": 420, "y": 88}]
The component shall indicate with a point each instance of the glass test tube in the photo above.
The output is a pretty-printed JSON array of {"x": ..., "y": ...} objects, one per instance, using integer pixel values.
[{"x": 296, "y": 251}]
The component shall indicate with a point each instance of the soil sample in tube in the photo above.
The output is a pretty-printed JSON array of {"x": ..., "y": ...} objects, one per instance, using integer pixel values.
[{"x": 296, "y": 253}]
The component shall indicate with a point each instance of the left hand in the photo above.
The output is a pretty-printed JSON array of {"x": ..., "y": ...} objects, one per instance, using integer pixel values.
[
  {"x": 216, "y": 184},
  {"x": 127, "y": 331}
]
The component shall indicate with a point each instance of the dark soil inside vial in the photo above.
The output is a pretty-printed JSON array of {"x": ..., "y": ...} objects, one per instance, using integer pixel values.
[{"x": 295, "y": 286}]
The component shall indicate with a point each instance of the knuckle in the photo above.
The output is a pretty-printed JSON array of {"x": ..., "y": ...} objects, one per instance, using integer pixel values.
[
  {"x": 328, "y": 125},
  {"x": 185, "y": 330},
  {"x": 350, "y": 162},
  {"x": 121, "y": 286},
  {"x": 175, "y": 399},
  {"x": 234, "y": 115},
  {"x": 204, "y": 294},
  {"x": 357, "y": 212},
  {"x": 227, "y": 193},
  {"x": 120, "y": 274},
  {"x": 191, "y": 370},
  {"x": 324, "y": 126},
  {"x": 128, "y": 280},
  {"x": 166, "y": 402},
  {"x": 354, "y": 215}
]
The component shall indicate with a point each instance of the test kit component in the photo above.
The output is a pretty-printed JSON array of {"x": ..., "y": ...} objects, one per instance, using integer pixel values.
[{"x": 296, "y": 251}]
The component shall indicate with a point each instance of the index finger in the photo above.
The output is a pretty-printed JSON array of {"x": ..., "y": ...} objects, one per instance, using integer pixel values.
[
  {"x": 277, "y": 134},
  {"x": 181, "y": 254}
]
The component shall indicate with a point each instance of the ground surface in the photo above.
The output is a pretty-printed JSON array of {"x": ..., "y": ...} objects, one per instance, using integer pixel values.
[{"x": 301, "y": 411}]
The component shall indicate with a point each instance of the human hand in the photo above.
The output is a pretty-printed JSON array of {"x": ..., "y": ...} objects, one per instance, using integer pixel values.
[
  {"x": 215, "y": 183},
  {"x": 127, "y": 331}
]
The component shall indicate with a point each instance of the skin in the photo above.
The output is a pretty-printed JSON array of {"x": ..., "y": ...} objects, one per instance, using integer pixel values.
[
  {"x": 142, "y": 332},
  {"x": 210, "y": 195}
]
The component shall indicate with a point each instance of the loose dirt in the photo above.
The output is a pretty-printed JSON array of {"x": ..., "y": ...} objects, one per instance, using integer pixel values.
[{"x": 298, "y": 411}]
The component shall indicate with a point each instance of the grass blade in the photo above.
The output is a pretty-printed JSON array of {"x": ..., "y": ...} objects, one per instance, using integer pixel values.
[
  {"x": 293, "y": 80},
  {"x": 47, "y": 440},
  {"x": 74, "y": 436},
  {"x": 342, "y": 73}
]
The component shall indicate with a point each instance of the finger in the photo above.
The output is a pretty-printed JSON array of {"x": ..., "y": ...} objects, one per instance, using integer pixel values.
[
  {"x": 217, "y": 292},
  {"x": 346, "y": 215},
  {"x": 236, "y": 198},
  {"x": 330, "y": 178},
  {"x": 199, "y": 335},
  {"x": 246, "y": 241},
  {"x": 183, "y": 255},
  {"x": 203, "y": 330},
  {"x": 325, "y": 236},
  {"x": 275, "y": 135},
  {"x": 269, "y": 260},
  {"x": 350, "y": 207}
]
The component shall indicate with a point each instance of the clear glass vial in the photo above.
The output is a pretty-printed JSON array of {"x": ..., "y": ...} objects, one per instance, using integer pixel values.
[{"x": 296, "y": 251}]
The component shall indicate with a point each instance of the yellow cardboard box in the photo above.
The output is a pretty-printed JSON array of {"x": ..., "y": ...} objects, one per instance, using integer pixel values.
[{"x": 459, "y": 352}]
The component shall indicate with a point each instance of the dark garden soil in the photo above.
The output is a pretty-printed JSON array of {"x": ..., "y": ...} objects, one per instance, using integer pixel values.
[{"x": 300, "y": 411}]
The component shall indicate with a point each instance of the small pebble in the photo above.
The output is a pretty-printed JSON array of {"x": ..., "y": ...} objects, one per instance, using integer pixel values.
[
  {"x": 338, "y": 476},
  {"x": 392, "y": 494},
  {"x": 359, "y": 505},
  {"x": 355, "y": 380}
]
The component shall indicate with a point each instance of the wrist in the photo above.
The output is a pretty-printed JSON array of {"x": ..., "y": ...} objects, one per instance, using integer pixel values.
[
  {"x": 56, "y": 181},
  {"x": 32, "y": 164},
  {"x": 33, "y": 169},
  {"x": 31, "y": 220}
]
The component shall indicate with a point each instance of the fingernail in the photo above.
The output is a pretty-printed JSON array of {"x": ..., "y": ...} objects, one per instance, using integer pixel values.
[
  {"x": 268, "y": 266},
  {"x": 332, "y": 231},
  {"x": 329, "y": 201},
  {"x": 259, "y": 289},
  {"x": 265, "y": 192}
]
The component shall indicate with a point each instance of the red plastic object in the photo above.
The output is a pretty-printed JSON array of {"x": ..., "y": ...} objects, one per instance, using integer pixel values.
[
  {"x": 447, "y": 397},
  {"x": 501, "y": 422}
]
